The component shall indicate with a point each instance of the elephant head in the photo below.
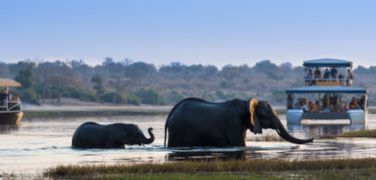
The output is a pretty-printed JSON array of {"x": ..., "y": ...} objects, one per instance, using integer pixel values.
[
  {"x": 132, "y": 134},
  {"x": 145, "y": 140},
  {"x": 262, "y": 116}
]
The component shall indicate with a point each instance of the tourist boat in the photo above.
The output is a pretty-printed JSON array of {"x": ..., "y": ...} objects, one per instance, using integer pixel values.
[
  {"x": 10, "y": 105},
  {"x": 328, "y": 94}
]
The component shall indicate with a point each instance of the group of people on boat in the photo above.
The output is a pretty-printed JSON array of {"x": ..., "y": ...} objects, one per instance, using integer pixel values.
[
  {"x": 329, "y": 103},
  {"x": 329, "y": 75},
  {"x": 9, "y": 101}
]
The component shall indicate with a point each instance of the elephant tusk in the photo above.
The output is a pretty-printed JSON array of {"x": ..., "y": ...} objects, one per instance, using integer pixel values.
[{"x": 252, "y": 106}]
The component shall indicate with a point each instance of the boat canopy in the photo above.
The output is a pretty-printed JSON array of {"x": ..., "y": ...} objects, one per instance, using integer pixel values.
[
  {"x": 327, "y": 89},
  {"x": 9, "y": 83},
  {"x": 327, "y": 62}
]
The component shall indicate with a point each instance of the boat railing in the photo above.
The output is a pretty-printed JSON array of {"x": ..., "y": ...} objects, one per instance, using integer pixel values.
[
  {"x": 326, "y": 82},
  {"x": 10, "y": 106}
]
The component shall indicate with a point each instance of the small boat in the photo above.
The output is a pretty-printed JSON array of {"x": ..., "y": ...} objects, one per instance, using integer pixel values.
[
  {"x": 328, "y": 95},
  {"x": 10, "y": 105}
]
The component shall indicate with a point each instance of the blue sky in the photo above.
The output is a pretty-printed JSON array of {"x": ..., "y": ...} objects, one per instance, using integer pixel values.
[{"x": 195, "y": 31}]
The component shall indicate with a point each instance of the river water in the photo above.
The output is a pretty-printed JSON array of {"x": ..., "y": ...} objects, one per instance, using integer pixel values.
[{"x": 42, "y": 143}]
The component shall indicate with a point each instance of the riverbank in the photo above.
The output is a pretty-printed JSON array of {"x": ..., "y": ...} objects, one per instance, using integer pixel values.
[
  {"x": 233, "y": 169},
  {"x": 359, "y": 134}
]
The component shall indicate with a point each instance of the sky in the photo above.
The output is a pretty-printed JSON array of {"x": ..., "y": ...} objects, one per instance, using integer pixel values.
[{"x": 215, "y": 32}]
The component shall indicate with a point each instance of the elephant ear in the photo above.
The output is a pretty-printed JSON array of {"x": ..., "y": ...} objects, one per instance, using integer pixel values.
[{"x": 255, "y": 121}]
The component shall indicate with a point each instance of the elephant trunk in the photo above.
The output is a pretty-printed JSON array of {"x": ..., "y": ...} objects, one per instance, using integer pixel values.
[
  {"x": 149, "y": 140},
  {"x": 281, "y": 130}
]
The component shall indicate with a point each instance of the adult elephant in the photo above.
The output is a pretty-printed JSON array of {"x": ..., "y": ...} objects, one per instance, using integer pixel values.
[
  {"x": 94, "y": 135},
  {"x": 196, "y": 122}
]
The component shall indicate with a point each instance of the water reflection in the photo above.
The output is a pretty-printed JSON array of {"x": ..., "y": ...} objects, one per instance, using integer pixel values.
[
  {"x": 206, "y": 154},
  {"x": 5, "y": 129},
  {"x": 323, "y": 130}
]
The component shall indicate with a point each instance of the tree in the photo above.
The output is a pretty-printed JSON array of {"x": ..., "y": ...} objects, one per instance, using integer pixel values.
[
  {"x": 230, "y": 72},
  {"x": 97, "y": 84},
  {"x": 119, "y": 84},
  {"x": 149, "y": 96},
  {"x": 139, "y": 70},
  {"x": 58, "y": 79},
  {"x": 24, "y": 76}
]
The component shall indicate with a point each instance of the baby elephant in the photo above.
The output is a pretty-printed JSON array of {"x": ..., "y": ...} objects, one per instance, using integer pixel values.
[{"x": 94, "y": 135}]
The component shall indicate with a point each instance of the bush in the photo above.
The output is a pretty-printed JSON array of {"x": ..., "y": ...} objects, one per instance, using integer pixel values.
[
  {"x": 112, "y": 97},
  {"x": 149, "y": 96},
  {"x": 29, "y": 95},
  {"x": 133, "y": 99},
  {"x": 82, "y": 94}
]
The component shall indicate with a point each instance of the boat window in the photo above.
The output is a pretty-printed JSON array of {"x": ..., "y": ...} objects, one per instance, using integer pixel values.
[{"x": 326, "y": 102}]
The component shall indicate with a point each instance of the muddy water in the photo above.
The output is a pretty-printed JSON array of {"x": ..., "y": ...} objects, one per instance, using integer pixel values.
[{"x": 42, "y": 143}]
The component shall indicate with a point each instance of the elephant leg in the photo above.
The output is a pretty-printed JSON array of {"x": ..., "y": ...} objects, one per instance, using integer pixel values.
[
  {"x": 171, "y": 140},
  {"x": 236, "y": 138},
  {"x": 175, "y": 138}
]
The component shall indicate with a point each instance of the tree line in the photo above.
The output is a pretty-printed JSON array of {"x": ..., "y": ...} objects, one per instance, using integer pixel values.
[{"x": 128, "y": 82}]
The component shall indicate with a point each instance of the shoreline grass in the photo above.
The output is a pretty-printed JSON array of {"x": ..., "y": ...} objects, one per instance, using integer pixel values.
[
  {"x": 232, "y": 169},
  {"x": 361, "y": 133}
]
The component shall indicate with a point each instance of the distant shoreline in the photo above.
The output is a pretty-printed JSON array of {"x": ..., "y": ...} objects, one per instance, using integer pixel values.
[
  {"x": 105, "y": 110},
  {"x": 89, "y": 111}
]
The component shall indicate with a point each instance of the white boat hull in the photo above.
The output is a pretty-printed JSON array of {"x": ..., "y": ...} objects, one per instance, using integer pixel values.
[{"x": 357, "y": 117}]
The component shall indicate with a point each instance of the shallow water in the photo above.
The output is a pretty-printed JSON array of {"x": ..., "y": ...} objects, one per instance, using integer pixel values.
[{"x": 42, "y": 143}]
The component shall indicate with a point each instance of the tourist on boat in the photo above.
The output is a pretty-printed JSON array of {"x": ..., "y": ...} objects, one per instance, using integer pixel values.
[
  {"x": 325, "y": 102},
  {"x": 342, "y": 107},
  {"x": 333, "y": 73},
  {"x": 4, "y": 99},
  {"x": 317, "y": 73},
  {"x": 362, "y": 102},
  {"x": 290, "y": 101},
  {"x": 312, "y": 107},
  {"x": 309, "y": 77},
  {"x": 333, "y": 100},
  {"x": 304, "y": 106},
  {"x": 297, "y": 105},
  {"x": 14, "y": 102},
  {"x": 349, "y": 77},
  {"x": 326, "y": 74},
  {"x": 354, "y": 104},
  {"x": 317, "y": 103}
]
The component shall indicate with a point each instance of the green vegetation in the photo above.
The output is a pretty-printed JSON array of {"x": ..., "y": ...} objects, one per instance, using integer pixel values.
[
  {"x": 233, "y": 169},
  {"x": 127, "y": 82},
  {"x": 372, "y": 110},
  {"x": 361, "y": 133}
]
